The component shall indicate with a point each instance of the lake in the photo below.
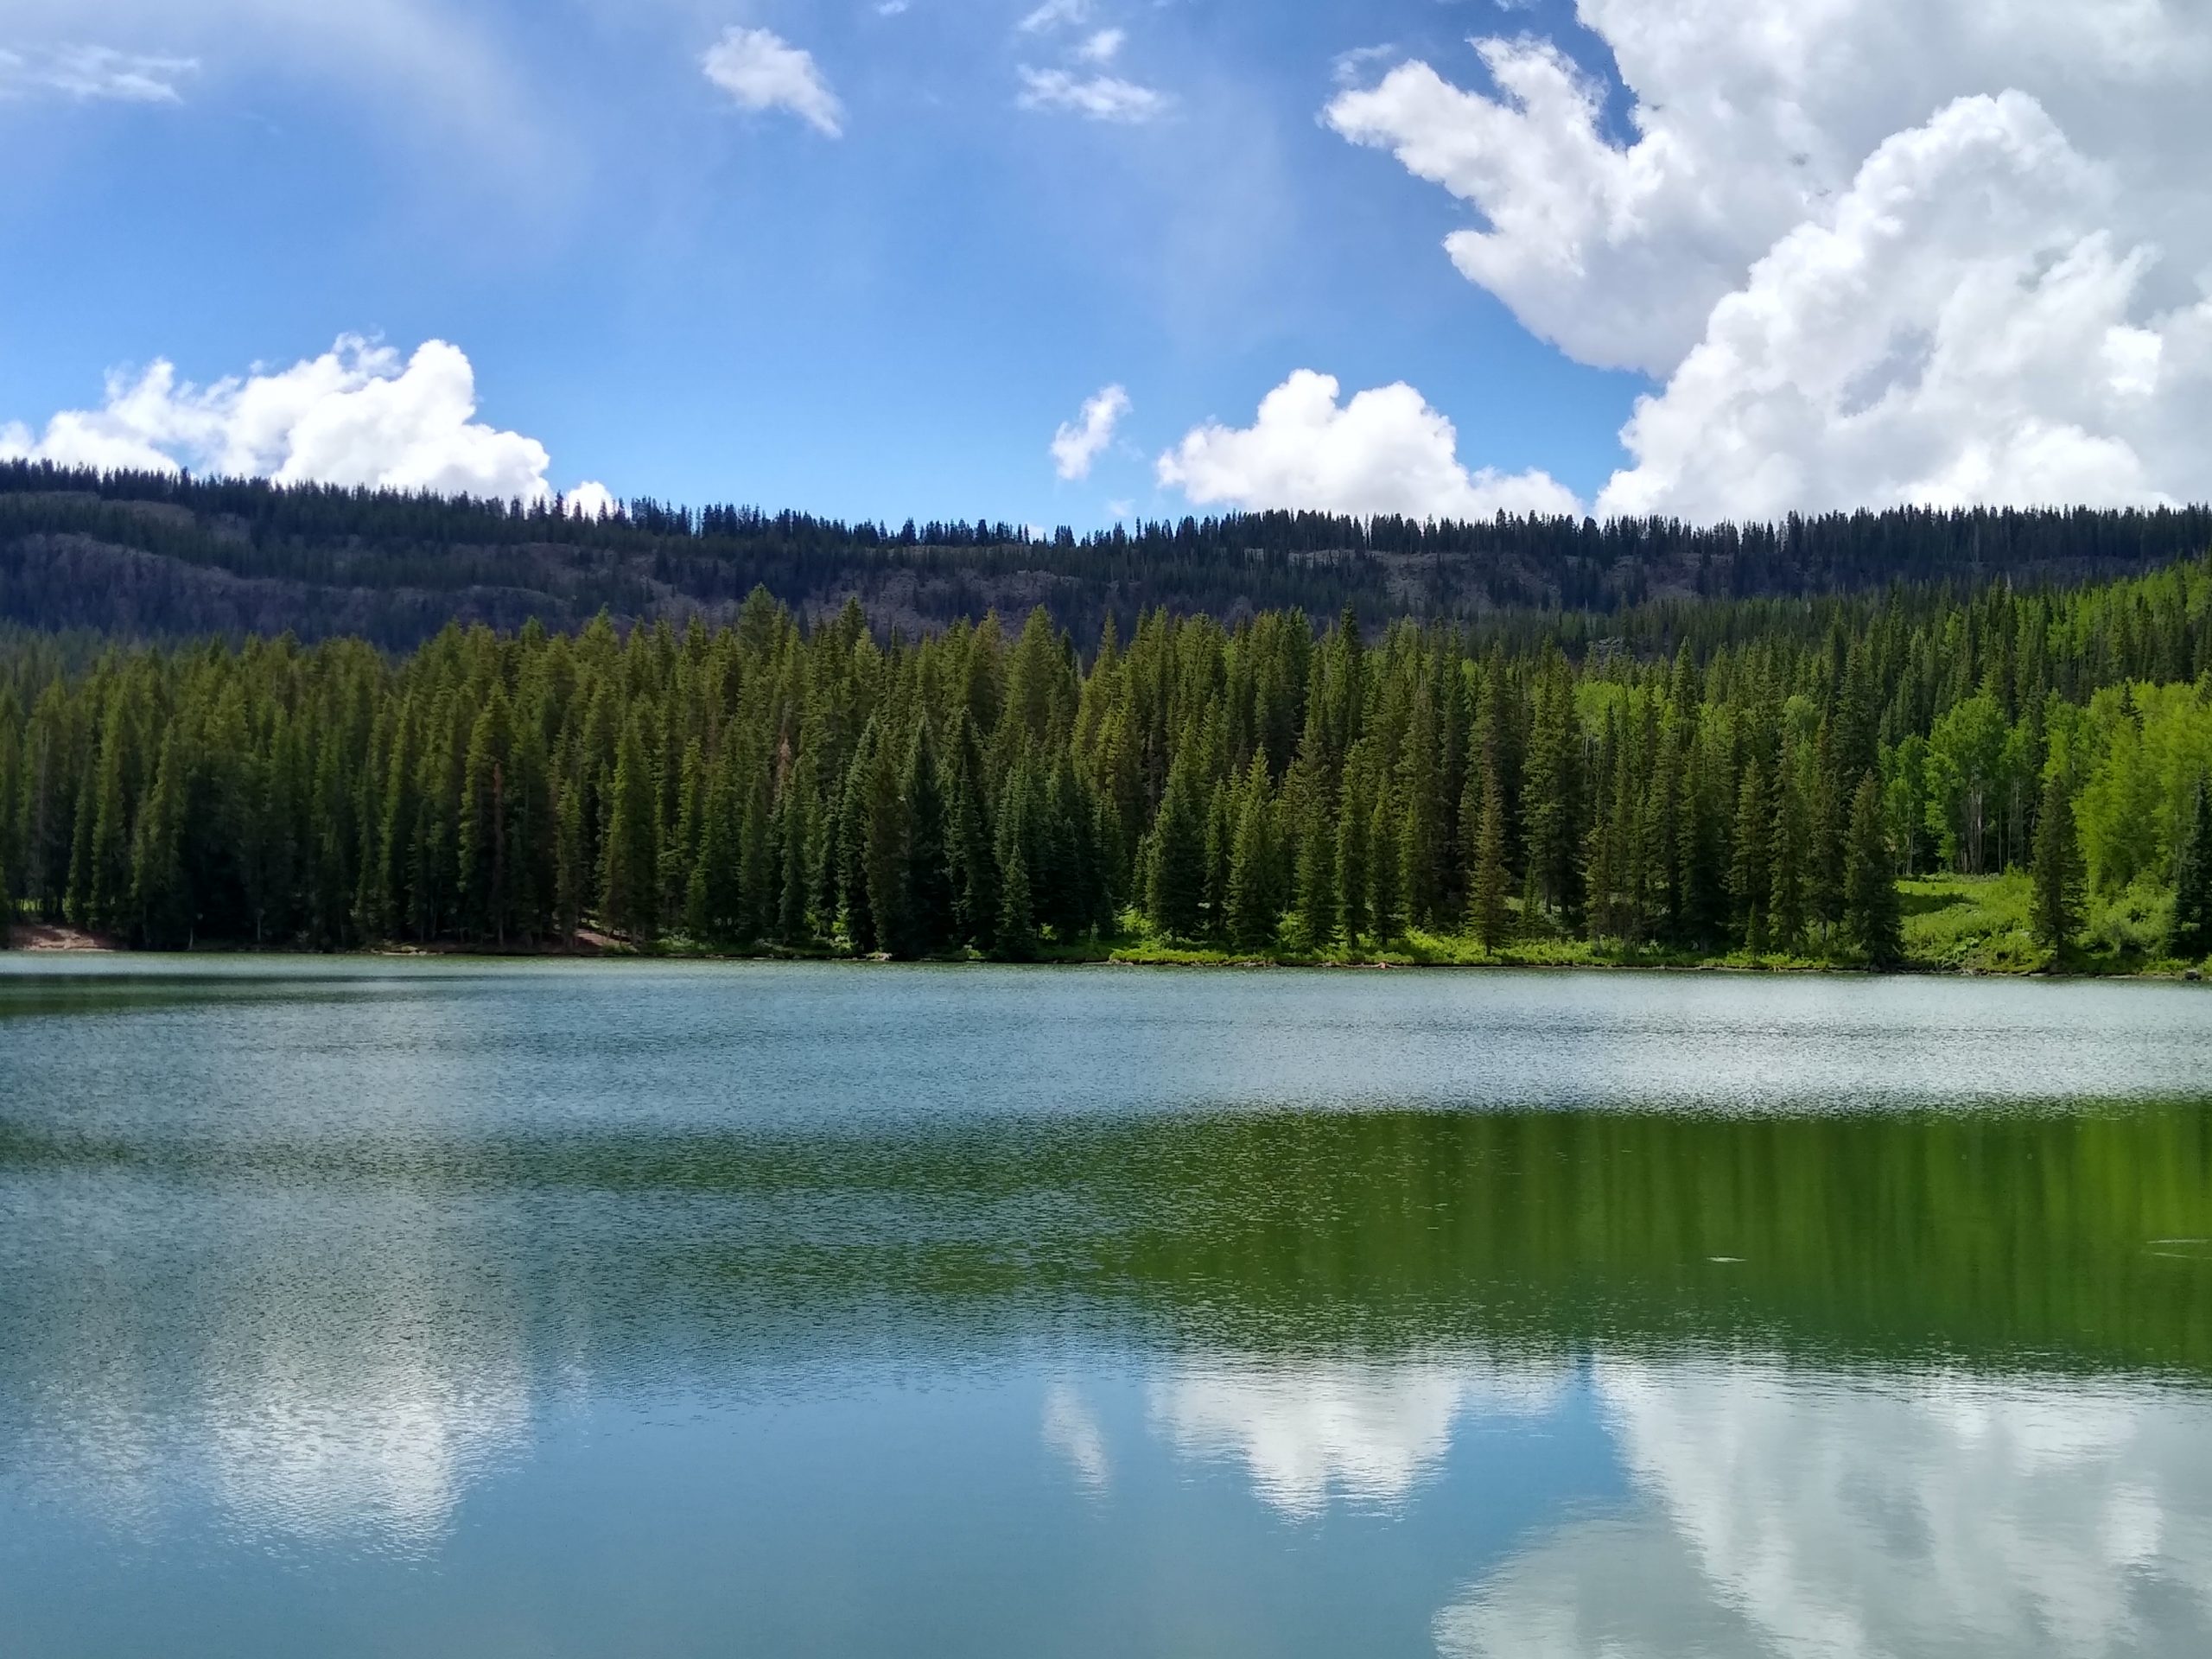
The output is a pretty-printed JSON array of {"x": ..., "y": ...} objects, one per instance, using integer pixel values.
[{"x": 427, "y": 1308}]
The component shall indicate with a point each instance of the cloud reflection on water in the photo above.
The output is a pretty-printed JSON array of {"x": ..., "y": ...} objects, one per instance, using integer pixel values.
[{"x": 1835, "y": 1515}]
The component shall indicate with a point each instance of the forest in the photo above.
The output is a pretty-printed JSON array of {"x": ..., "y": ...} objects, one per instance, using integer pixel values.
[
  {"x": 1761, "y": 780},
  {"x": 160, "y": 555}
]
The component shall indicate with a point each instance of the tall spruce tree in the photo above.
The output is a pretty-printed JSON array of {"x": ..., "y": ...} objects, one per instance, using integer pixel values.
[
  {"x": 1486, "y": 907},
  {"x": 2192, "y": 929},
  {"x": 1871, "y": 918},
  {"x": 2055, "y": 907}
]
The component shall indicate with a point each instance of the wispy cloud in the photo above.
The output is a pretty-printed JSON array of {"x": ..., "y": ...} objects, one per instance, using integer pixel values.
[
  {"x": 96, "y": 73},
  {"x": 1055, "y": 14},
  {"x": 1104, "y": 46},
  {"x": 1097, "y": 98},
  {"x": 1082, "y": 440},
  {"x": 762, "y": 70}
]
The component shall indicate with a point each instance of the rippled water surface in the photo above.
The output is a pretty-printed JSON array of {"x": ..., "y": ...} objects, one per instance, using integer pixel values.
[{"x": 352, "y": 1308}]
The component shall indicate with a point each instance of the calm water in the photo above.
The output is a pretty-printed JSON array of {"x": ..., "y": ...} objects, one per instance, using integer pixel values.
[{"x": 429, "y": 1309}]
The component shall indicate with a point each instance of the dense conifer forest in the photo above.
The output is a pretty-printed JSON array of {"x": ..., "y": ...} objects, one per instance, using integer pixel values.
[
  {"x": 159, "y": 556},
  {"x": 1683, "y": 780}
]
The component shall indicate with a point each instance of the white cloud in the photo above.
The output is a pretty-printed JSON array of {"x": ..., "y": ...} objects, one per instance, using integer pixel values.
[
  {"x": 357, "y": 414},
  {"x": 890, "y": 8},
  {"x": 1100, "y": 98},
  {"x": 90, "y": 72},
  {"x": 1386, "y": 451},
  {"x": 590, "y": 499},
  {"x": 1780, "y": 238},
  {"x": 1104, "y": 46},
  {"x": 1076, "y": 444},
  {"x": 1054, "y": 14},
  {"x": 762, "y": 70},
  {"x": 1960, "y": 328}
]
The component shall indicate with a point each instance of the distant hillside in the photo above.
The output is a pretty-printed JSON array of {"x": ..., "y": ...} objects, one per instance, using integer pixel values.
[{"x": 157, "y": 555}]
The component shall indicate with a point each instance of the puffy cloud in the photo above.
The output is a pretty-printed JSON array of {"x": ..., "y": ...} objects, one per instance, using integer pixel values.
[
  {"x": 1386, "y": 451},
  {"x": 762, "y": 70},
  {"x": 591, "y": 499},
  {"x": 1100, "y": 98},
  {"x": 1776, "y": 229},
  {"x": 1960, "y": 328},
  {"x": 357, "y": 414},
  {"x": 1079, "y": 442},
  {"x": 1103, "y": 46},
  {"x": 96, "y": 73}
]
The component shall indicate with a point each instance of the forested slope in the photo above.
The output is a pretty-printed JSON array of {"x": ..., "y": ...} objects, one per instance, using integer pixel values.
[
  {"x": 154, "y": 556},
  {"x": 1730, "y": 776}
]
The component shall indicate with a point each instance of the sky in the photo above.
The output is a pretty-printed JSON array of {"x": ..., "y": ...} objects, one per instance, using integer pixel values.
[{"x": 1070, "y": 261}]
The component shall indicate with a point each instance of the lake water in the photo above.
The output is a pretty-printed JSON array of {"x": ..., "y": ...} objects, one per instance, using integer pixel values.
[{"x": 351, "y": 1308}]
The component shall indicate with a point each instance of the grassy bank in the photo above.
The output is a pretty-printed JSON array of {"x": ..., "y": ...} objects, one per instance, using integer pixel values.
[{"x": 1968, "y": 924}]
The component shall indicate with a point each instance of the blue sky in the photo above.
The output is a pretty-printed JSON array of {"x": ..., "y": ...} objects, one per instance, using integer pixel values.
[{"x": 686, "y": 297}]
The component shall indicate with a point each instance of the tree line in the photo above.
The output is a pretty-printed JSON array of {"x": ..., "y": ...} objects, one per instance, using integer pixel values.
[
  {"x": 1274, "y": 787},
  {"x": 168, "y": 555}
]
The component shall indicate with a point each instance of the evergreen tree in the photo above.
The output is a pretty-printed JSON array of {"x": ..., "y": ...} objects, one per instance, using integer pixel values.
[
  {"x": 2192, "y": 929},
  {"x": 1486, "y": 906},
  {"x": 1386, "y": 888},
  {"x": 629, "y": 880},
  {"x": 2055, "y": 910},
  {"x": 1354, "y": 859},
  {"x": 1871, "y": 914},
  {"x": 1255, "y": 897},
  {"x": 1750, "y": 883},
  {"x": 930, "y": 923},
  {"x": 1178, "y": 883}
]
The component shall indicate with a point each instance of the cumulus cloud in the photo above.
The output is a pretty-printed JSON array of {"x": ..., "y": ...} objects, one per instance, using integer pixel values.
[
  {"x": 1099, "y": 97},
  {"x": 1960, "y": 328},
  {"x": 357, "y": 414},
  {"x": 1778, "y": 170},
  {"x": 1077, "y": 443},
  {"x": 91, "y": 73},
  {"x": 590, "y": 499},
  {"x": 1386, "y": 451},
  {"x": 1104, "y": 46},
  {"x": 762, "y": 70}
]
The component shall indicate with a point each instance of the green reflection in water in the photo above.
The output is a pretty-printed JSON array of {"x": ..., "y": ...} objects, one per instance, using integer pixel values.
[{"x": 2028, "y": 1238}]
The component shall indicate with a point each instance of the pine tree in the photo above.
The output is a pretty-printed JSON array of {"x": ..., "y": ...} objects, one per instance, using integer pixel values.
[
  {"x": 794, "y": 819},
  {"x": 1871, "y": 914},
  {"x": 1177, "y": 878},
  {"x": 1486, "y": 906},
  {"x": 1255, "y": 898},
  {"x": 1355, "y": 859},
  {"x": 571, "y": 871},
  {"x": 1014, "y": 939},
  {"x": 629, "y": 881},
  {"x": 930, "y": 924},
  {"x": 1787, "y": 911},
  {"x": 1750, "y": 885},
  {"x": 1386, "y": 886},
  {"x": 2192, "y": 929},
  {"x": 2054, "y": 911}
]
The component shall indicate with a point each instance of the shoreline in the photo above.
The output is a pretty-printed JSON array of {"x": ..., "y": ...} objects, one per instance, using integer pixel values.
[{"x": 64, "y": 942}]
